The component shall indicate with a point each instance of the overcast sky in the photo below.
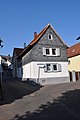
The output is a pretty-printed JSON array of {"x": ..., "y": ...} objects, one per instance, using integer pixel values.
[{"x": 19, "y": 19}]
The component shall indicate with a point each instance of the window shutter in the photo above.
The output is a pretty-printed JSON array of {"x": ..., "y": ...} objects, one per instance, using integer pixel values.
[
  {"x": 48, "y": 68},
  {"x": 59, "y": 67},
  {"x": 58, "y": 51},
  {"x": 44, "y": 51},
  {"x": 45, "y": 68}
]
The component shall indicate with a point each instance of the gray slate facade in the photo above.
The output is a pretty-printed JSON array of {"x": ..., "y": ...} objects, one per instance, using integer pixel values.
[{"x": 36, "y": 53}]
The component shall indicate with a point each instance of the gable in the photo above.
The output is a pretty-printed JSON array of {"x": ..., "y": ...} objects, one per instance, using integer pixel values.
[
  {"x": 42, "y": 38},
  {"x": 55, "y": 41}
]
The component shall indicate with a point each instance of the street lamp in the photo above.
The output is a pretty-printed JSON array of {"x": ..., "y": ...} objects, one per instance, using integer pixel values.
[{"x": 1, "y": 93}]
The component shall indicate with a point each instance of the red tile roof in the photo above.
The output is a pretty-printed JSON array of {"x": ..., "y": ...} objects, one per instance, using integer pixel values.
[
  {"x": 34, "y": 41},
  {"x": 37, "y": 38},
  {"x": 73, "y": 50}
]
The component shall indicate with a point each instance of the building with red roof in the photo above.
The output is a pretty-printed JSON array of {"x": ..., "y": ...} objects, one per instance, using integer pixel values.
[
  {"x": 74, "y": 60},
  {"x": 44, "y": 59},
  {"x": 16, "y": 53}
]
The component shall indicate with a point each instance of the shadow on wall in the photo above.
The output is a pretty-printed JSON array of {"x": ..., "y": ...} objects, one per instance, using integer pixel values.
[
  {"x": 66, "y": 107},
  {"x": 15, "y": 89}
]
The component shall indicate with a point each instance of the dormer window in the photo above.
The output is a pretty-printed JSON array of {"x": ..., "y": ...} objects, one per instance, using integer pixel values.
[{"x": 50, "y": 37}]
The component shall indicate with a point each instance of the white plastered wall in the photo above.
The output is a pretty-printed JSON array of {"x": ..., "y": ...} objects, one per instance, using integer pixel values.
[
  {"x": 74, "y": 63},
  {"x": 26, "y": 71},
  {"x": 36, "y": 70}
]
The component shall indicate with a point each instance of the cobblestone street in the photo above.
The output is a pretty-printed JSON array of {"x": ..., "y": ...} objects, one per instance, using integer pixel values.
[{"x": 23, "y": 101}]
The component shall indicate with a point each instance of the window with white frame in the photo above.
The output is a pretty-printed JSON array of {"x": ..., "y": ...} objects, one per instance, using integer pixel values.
[
  {"x": 68, "y": 62},
  {"x": 55, "y": 67},
  {"x": 47, "y": 51},
  {"x": 50, "y": 67},
  {"x": 51, "y": 51},
  {"x": 50, "y": 37}
]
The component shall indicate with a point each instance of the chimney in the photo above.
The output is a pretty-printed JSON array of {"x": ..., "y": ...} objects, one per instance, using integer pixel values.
[
  {"x": 35, "y": 34},
  {"x": 24, "y": 45}
]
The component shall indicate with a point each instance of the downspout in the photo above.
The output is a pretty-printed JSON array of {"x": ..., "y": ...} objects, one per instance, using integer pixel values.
[{"x": 38, "y": 75}]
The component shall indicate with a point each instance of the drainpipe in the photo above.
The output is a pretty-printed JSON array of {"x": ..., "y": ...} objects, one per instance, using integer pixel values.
[
  {"x": 41, "y": 66},
  {"x": 38, "y": 75}
]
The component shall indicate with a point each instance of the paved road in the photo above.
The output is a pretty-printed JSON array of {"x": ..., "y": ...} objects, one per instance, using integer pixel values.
[{"x": 23, "y": 101}]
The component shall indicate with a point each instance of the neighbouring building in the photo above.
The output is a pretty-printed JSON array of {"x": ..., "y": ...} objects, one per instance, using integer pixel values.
[
  {"x": 44, "y": 60},
  {"x": 5, "y": 63},
  {"x": 16, "y": 53},
  {"x": 74, "y": 62}
]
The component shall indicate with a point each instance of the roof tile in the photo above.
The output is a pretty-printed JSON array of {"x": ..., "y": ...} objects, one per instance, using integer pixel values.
[{"x": 73, "y": 50}]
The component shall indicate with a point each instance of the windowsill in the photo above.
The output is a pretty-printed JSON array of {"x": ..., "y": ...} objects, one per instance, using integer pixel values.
[
  {"x": 52, "y": 55},
  {"x": 52, "y": 71}
]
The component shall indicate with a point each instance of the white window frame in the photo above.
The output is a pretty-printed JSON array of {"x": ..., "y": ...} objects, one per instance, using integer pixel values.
[
  {"x": 51, "y": 37},
  {"x": 52, "y": 68},
  {"x": 46, "y": 51},
  {"x": 52, "y": 51},
  {"x": 57, "y": 51},
  {"x": 46, "y": 70}
]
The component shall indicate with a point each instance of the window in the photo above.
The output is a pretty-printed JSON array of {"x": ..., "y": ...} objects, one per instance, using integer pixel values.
[
  {"x": 50, "y": 67},
  {"x": 51, "y": 51},
  {"x": 50, "y": 37},
  {"x": 54, "y": 66},
  {"x": 47, "y": 51},
  {"x": 68, "y": 62}
]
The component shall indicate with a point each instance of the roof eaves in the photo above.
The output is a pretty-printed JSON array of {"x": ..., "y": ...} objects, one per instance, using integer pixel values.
[
  {"x": 34, "y": 41},
  {"x": 73, "y": 55},
  {"x": 58, "y": 36}
]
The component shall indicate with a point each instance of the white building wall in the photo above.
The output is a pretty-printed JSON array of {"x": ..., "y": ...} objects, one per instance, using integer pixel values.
[
  {"x": 26, "y": 71},
  {"x": 35, "y": 70}
]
